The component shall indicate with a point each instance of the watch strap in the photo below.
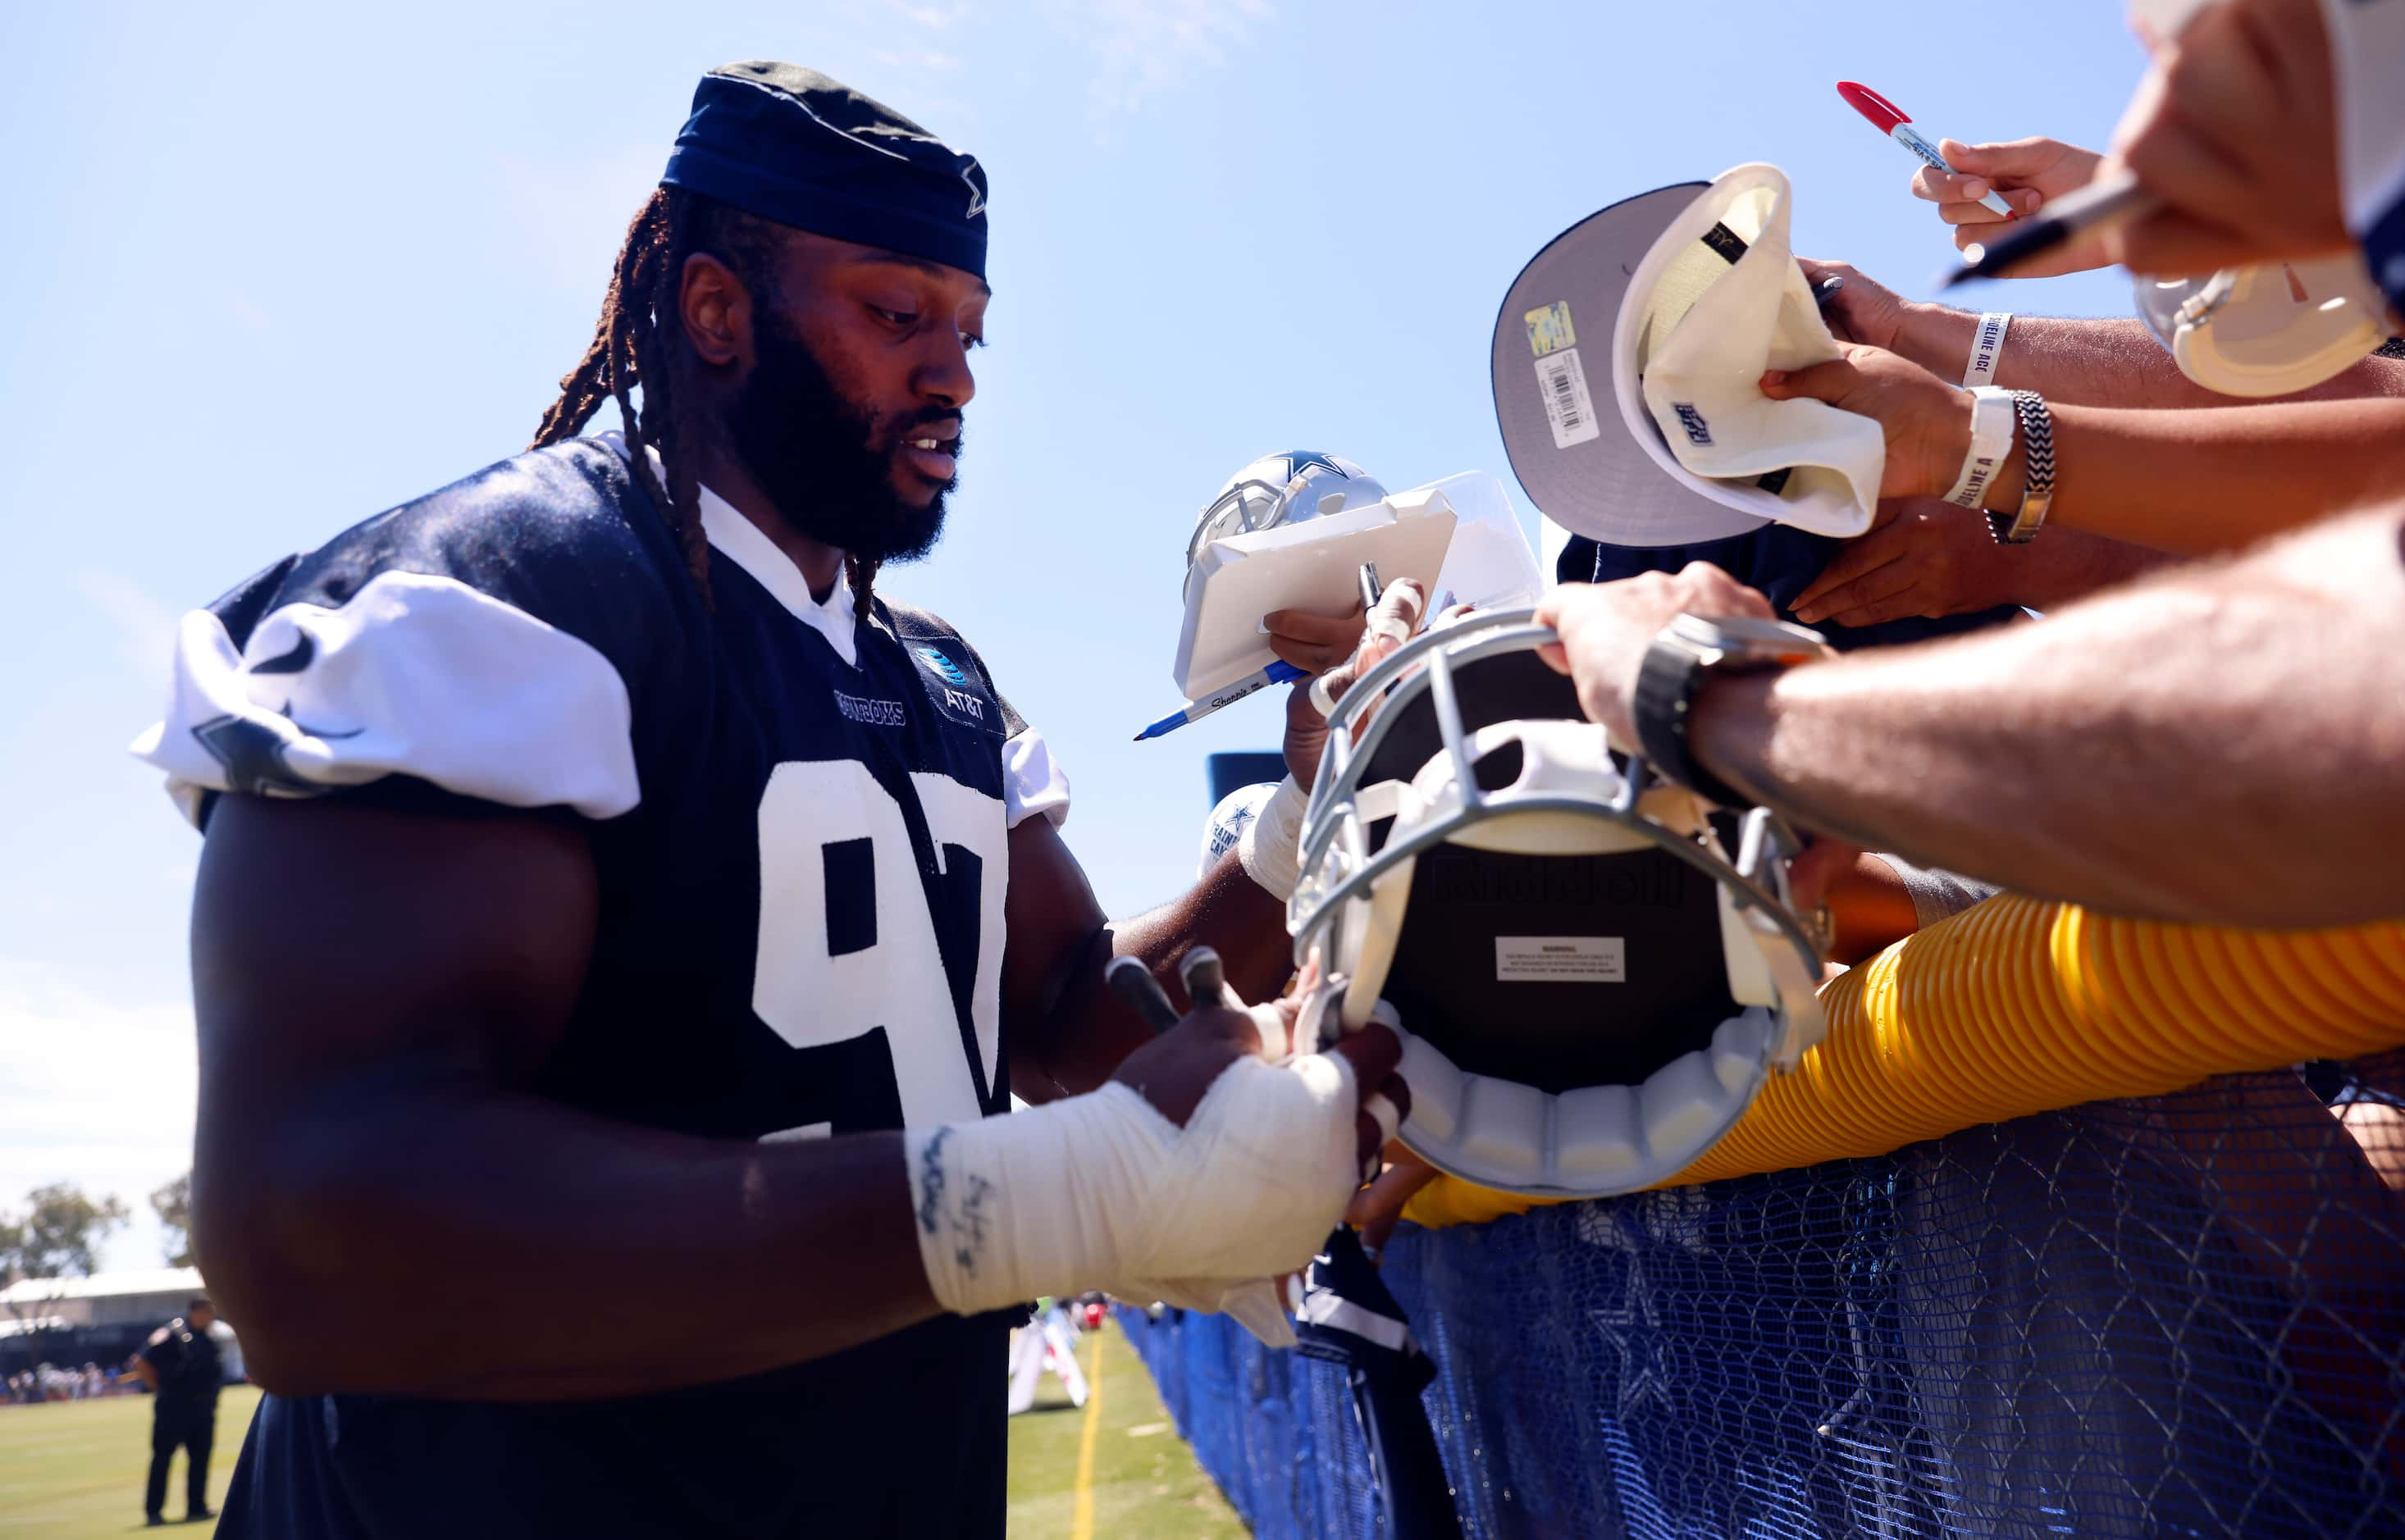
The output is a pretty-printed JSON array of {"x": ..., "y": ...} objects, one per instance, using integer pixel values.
[{"x": 1668, "y": 683}]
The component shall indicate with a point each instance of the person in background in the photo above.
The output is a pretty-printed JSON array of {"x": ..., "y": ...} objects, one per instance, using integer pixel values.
[{"x": 179, "y": 1363}]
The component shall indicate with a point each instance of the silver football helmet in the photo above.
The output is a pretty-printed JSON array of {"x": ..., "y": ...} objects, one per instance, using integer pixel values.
[
  {"x": 1590, "y": 989},
  {"x": 1280, "y": 489}
]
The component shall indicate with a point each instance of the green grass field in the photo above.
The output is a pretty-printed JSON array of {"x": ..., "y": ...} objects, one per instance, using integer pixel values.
[
  {"x": 75, "y": 1469},
  {"x": 1141, "y": 1480}
]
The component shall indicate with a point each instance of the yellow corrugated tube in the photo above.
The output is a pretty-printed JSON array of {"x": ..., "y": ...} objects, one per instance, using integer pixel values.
[{"x": 2016, "y": 1006}]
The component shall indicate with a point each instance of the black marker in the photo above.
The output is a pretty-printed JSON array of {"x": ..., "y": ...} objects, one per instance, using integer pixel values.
[{"x": 2092, "y": 210}]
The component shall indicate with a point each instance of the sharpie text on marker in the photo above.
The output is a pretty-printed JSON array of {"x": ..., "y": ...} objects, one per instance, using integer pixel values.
[{"x": 1280, "y": 672}]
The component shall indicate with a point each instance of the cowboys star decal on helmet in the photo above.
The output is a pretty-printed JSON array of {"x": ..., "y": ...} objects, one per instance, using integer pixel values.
[
  {"x": 1281, "y": 489},
  {"x": 1589, "y": 988}
]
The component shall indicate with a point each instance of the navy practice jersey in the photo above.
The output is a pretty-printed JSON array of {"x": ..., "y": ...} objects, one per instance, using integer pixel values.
[{"x": 799, "y": 820}]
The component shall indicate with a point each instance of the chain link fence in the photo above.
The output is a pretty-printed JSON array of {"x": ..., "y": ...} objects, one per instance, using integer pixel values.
[{"x": 2178, "y": 1315}]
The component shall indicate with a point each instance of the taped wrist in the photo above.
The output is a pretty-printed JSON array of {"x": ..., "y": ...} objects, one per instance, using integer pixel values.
[
  {"x": 1102, "y": 1191},
  {"x": 1270, "y": 847}
]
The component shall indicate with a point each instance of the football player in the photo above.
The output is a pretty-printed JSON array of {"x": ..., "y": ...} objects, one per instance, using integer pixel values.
[{"x": 619, "y": 923}]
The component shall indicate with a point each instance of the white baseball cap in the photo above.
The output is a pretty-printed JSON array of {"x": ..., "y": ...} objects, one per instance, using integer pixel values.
[
  {"x": 1703, "y": 295},
  {"x": 1717, "y": 299}
]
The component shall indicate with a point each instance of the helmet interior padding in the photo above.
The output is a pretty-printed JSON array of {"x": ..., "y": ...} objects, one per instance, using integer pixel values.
[
  {"x": 1510, "y": 687},
  {"x": 1557, "y": 1035}
]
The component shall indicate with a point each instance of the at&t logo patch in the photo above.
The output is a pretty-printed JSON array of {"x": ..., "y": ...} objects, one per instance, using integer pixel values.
[{"x": 953, "y": 692}]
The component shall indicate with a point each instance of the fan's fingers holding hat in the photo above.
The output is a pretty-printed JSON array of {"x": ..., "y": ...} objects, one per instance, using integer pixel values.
[{"x": 1829, "y": 382}]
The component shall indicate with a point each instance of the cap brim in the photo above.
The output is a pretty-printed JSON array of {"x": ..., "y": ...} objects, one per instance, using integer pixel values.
[{"x": 1603, "y": 484}]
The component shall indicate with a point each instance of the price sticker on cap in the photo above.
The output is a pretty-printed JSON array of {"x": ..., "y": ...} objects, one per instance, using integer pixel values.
[{"x": 1570, "y": 411}]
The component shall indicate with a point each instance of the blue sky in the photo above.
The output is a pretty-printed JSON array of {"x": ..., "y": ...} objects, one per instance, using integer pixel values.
[{"x": 273, "y": 268}]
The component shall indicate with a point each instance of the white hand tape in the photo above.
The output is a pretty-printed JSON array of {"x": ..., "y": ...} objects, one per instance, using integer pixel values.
[
  {"x": 1271, "y": 1026},
  {"x": 1100, "y": 1191},
  {"x": 1269, "y": 850}
]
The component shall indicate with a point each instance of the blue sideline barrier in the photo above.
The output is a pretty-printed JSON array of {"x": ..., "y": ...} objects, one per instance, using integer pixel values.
[{"x": 2170, "y": 1316}]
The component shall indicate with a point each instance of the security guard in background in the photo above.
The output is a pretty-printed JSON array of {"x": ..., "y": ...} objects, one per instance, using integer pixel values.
[{"x": 180, "y": 1365}]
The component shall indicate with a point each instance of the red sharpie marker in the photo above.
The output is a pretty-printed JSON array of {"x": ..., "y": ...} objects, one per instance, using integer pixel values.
[{"x": 1890, "y": 120}]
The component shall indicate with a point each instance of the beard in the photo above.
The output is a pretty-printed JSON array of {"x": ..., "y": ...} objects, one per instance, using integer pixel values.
[{"x": 827, "y": 463}]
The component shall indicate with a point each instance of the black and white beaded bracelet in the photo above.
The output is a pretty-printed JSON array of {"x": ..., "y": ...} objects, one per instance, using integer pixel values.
[{"x": 2037, "y": 492}]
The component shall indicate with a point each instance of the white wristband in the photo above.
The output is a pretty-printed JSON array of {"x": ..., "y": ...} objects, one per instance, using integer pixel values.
[
  {"x": 1991, "y": 439},
  {"x": 1986, "y": 346},
  {"x": 1270, "y": 847},
  {"x": 1102, "y": 1192}
]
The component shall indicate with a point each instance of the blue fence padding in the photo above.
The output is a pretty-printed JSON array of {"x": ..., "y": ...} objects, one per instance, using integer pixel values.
[{"x": 2180, "y": 1315}]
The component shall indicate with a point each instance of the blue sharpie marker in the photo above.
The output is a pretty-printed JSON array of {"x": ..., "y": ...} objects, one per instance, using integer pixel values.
[{"x": 1280, "y": 672}]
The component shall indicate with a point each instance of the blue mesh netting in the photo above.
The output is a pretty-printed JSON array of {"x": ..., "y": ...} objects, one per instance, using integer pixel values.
[{"x": 2181, "y": 1315}]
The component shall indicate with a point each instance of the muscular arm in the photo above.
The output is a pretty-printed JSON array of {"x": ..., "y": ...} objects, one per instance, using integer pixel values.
[
  {"x": 2225, "y": 744},
  {"x": 2079, "y": 565},
  {"x": 2190, "y": 482},
  {"x": 1930, "y": 558},
  {"x": 2101, "y": 362},
  {"x": 2212, "y": 480},
  {"x": 1067, "y": 1031},
  {"x": 385, "y": 1208}
]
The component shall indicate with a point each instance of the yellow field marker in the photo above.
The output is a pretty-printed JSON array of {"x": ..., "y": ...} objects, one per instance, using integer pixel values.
[{"x": 1081, "y": 1509}]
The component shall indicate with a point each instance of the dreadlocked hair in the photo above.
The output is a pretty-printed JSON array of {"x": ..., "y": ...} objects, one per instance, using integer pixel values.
[{"x": 629, "y": 349}]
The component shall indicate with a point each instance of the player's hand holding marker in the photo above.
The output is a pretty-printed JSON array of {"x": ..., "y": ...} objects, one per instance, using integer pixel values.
[
  {"x": 1268, "y": 847},
  {"x": 1390, "y": 623},
  {"x": 1202, "y": 1163}
]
